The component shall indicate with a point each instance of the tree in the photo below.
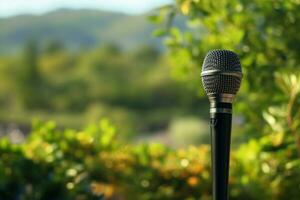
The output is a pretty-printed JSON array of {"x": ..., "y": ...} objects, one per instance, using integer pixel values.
[
  {"x": 29, "y": 77},
  {"x": 264, "y": 33}
]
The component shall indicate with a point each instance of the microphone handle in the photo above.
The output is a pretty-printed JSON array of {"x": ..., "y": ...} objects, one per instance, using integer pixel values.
[{"x": 220, "y": 144}]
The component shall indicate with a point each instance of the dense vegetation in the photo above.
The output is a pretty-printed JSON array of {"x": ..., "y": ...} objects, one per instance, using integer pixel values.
[
  {"x": 132, "y": 88},
  {"x": 263, "y": 33},
  {"x": 56, "y": 164}
]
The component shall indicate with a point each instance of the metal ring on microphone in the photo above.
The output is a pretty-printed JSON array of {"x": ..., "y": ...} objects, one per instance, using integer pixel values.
[
  {"x": 224, "y": 98},
  {"x": 219, "y": 72},
  {"x": 221, "y": 110}
]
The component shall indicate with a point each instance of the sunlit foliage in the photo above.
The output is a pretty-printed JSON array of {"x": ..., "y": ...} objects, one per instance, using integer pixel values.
[
  {"x": 263, "y": 33},
  {"x": 68, "y": 164}
]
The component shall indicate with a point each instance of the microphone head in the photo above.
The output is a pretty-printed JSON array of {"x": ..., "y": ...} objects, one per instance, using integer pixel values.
[{"x": 221, "y": 75}]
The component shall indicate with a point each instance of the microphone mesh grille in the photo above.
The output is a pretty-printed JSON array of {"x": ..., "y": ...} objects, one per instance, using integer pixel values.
[
  {"x": 224, "y": 61},
  {"x": 221, "y": 84}
]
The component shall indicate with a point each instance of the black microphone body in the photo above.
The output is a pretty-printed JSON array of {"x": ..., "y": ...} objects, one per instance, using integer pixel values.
[
  {"x": 221, "y": 77},
  {"x": 220, "y": 124}
]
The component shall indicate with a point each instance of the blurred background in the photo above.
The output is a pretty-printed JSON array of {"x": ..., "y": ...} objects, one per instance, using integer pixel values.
[
  {"x": 76, "y": 64},
  {"x": 103, "y": 100}
]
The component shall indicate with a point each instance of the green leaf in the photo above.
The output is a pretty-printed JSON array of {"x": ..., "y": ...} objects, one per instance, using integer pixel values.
[
  {"x": 160, "y": 32},
  {"x": 156, "y": 19}
]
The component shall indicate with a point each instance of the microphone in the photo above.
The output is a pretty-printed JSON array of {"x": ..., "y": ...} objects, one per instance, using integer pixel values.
[{"x": 221, "y": 78}]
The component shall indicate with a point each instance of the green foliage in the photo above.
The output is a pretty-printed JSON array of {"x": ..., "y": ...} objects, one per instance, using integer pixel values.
[
  {"x": 132, "y": 87},
  {"x": 283, "y": 119},
  {"x": 263, "y": 33},
  {"x": 67, "y": 164},
  {"x": 49, "y": 165},
  {"x": 28, "y": 82}
]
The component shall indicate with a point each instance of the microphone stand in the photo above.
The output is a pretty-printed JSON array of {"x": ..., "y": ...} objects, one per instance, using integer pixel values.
[{"x": 220, "y": 123}]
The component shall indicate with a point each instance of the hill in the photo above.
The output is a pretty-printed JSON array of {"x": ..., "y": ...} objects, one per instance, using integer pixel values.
[{"x": 76, "y": 29}]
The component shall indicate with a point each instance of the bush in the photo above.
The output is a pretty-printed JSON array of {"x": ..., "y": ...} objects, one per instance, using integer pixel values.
[{"x": 68, "y": 164}]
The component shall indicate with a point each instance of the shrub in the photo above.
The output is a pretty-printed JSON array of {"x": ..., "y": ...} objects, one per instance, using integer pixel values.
[{"x": 68, "y": 164}]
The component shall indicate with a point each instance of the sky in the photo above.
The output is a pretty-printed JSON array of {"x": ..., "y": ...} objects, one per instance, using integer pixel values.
[{"x": 17, "y": 7}]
